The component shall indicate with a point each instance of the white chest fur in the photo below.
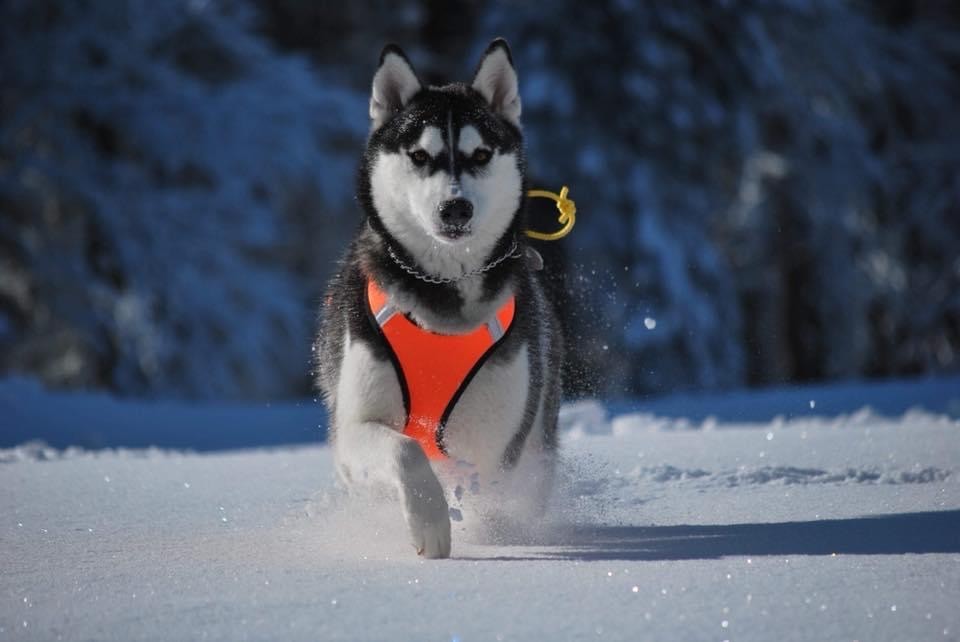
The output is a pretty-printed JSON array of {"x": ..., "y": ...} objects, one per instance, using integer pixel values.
[
  {"x": 489, "y": 412},
  {"x": 368, "y": 390}
]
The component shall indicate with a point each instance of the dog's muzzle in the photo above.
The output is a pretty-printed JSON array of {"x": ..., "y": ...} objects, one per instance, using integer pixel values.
[{"x": 455, "y": 216}]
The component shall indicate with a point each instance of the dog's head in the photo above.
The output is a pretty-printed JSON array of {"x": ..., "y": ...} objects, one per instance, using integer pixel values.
[{"x": 444, "y": 165}]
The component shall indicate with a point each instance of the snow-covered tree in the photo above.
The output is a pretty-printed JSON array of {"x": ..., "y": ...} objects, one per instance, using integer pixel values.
[
  {"x": 173, "y": 193},
  {"x": 768, "y": 191}
]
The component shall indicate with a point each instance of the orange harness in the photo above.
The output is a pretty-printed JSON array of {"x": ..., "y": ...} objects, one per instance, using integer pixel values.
[{"x": 434, "y": 369}]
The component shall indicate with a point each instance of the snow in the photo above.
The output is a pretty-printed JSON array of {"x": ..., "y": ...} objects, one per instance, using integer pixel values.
[{"x": 827, "y": 524}]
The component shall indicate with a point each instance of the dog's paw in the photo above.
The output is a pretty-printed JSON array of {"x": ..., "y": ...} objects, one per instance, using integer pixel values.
[
  {"x": 425, "y": 508},
  {"x": 431, "y": 539}
]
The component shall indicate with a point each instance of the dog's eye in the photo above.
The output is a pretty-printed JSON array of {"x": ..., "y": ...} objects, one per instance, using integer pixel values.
[
  {"x": 481, "y": 156},
  {"x": 419, "y": 157}
]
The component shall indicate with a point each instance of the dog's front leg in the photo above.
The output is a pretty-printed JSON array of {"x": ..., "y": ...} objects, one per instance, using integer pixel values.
[{"x": 376, "y": 453}]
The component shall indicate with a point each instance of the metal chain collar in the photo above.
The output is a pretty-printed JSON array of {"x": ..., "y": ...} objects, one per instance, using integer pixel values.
[{"x": 512, "y": 253}]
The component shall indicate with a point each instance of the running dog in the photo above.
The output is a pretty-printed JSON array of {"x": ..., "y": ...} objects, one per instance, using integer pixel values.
[{"x": 439, "y": 354}]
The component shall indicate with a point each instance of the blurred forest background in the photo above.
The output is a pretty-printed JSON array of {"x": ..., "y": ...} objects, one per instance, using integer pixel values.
[{"x": 768, "y": 190}]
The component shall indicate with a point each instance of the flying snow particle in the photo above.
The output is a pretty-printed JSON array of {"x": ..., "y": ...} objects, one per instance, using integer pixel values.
[
  {"x": 650, "y": 323},
  {"x": 813, "y": 404},
  {"x": 635, "y": 589},
  {"x": 725, "y": 624}
]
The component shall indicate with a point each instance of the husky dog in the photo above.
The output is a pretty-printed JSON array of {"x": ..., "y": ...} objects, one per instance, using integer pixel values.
[{"x": 440, "y": 256}]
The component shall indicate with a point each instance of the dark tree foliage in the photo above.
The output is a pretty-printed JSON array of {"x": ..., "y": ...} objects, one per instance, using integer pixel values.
[
  {"x": 768, "y": 190},
  {"x": 779, "y": 181}
]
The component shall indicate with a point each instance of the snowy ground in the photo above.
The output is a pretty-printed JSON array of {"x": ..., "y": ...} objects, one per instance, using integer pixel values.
[{"x": 668, "y": 526}]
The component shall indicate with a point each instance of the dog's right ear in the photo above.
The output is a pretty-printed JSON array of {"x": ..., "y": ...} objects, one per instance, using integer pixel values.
[
  {"x": 394, "y": 84},
  {"x": 496, "y": 80}
]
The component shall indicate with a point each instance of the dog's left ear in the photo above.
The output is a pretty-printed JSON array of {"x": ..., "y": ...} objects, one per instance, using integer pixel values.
[{"x": 496, "y": 80}]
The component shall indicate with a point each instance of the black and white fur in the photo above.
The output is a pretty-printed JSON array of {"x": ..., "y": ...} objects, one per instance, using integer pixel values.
[{"x": 428, "y": 147}]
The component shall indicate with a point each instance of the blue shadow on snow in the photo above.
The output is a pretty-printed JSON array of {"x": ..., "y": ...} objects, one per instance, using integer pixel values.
[{"x": 897, "y": 534}]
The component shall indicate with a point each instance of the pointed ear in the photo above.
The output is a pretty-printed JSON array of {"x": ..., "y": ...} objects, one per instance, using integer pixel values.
[
  {"x": 496, "y": 80},
  {"x": 394, "y": 84}
]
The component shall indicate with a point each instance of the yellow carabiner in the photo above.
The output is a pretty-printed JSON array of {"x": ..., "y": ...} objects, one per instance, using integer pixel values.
[{"x": 567, "y": 218}]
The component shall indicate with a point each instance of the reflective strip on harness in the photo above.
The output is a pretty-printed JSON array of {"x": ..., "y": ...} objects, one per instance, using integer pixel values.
[{"x": 434, "y": 368}]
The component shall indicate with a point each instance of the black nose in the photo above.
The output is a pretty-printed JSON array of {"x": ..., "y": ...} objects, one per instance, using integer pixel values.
[{"x": 456, "y": 212}]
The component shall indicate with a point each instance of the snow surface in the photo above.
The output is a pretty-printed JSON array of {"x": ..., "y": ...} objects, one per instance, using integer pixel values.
[{"x": 813, "y": 527}]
